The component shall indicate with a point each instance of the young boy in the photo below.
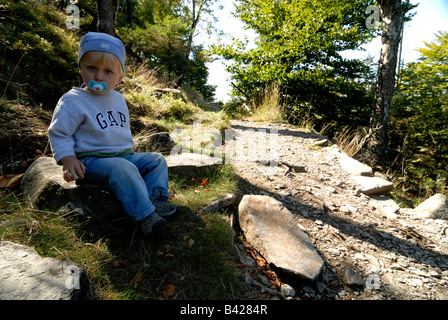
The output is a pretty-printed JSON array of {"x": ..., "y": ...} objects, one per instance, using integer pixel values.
[{"x": 90, "y": 136}]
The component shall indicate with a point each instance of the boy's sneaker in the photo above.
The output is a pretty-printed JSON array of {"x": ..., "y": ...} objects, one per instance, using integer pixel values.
[
  {"x": 164, "y": 209},
  {"x": 152, "y": 224}
]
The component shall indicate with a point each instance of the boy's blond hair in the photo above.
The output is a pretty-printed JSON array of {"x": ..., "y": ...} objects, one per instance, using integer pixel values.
[{"x": 107, "y": 57}]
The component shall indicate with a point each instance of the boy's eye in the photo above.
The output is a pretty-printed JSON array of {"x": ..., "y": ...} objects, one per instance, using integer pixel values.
[{"x": 91, "y": 68}]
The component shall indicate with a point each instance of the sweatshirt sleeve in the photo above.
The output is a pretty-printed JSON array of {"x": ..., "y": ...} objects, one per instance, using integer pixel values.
[{"x": 60, "y": 133}]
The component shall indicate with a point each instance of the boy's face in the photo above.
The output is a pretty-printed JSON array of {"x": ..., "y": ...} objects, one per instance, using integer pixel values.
[{"x": 100, "y": 70}]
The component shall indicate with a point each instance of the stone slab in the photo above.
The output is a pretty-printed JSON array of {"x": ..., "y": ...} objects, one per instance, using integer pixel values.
[
  {"x": 191, "y": 165},
  {"x": 350, "y": 165},
  {"x": 272, "y": 231},
  {"x": 435, "y": 207},
  {"x": 373, "y": 185},
  {"x": 25, "y": 275}
]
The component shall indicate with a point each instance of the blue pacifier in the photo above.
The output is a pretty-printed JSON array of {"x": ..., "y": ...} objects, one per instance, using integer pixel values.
[{"x": 97, "y": 86}]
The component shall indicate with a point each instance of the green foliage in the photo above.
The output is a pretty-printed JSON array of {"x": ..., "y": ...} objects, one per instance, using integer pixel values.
[
  {"x": 165, "y": 111},
  {"x": 159, "y": 43},
  {"x": 160, "y": 37},
  {"x": 419, "y": 121},
  {"x": 38, "y": 61},
  {"x": 298, "y": 46}
]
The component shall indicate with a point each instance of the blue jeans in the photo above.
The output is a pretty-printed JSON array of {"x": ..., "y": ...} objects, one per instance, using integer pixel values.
[{"x": 135, "y": 179}]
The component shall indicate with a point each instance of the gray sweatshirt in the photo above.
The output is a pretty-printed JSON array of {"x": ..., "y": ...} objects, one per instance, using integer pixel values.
[{"x": 84, "y": 122}]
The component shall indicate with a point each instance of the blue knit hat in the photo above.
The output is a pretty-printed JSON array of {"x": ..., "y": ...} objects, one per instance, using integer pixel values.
[{"x": 97, "y": 41}]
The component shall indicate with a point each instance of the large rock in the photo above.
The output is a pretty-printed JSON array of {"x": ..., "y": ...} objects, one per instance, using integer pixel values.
[
  {"x": 45, "y": 188},
  {"x": 272, "y": 231},
  {"x": 25, "y": 275},
  {"x": 350, "y": 165},
  {"x": 373, "y": 185},
  {"x": 435, "y": 207}
]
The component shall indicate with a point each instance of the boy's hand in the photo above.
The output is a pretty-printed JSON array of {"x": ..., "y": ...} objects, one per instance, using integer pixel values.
[{"x": 72, "y": 168}]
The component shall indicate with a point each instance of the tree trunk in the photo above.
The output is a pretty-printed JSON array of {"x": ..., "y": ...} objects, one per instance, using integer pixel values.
[
  {"x": 107, "y": 16},
  {"x": 377, "y": 142},
  {"x": 194, "y": 22},
  {"x": 129, "y": 10}
]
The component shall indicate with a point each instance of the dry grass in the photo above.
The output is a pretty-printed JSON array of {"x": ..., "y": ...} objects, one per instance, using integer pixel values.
[
  {"x": 271, "y": 108},
  {"x": 350, "y": 140}
]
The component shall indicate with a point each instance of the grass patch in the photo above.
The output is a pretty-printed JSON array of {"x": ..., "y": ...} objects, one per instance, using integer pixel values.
[
  {"x": 169, "y": 110},
  {"x": 193, "y": 258},
  {"x": 196, "y": 193}
]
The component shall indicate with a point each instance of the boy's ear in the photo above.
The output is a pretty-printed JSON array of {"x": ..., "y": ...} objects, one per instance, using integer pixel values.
[{"x": 120, "y": 79}]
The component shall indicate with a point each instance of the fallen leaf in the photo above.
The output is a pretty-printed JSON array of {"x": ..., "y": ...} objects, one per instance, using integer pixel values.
[
  {"x": 204, "y": 182},
  {"x": 170, "y": 290},
  {"x": 10, "y": 181},
  {"x": 191, "y": 243},
  {"x": 38, "y": 154}
]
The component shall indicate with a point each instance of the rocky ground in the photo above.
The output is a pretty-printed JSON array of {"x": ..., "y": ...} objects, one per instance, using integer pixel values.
[{"x": 367, "y": 254}]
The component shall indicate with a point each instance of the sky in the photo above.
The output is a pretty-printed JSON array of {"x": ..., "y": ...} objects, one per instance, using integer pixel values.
[{"x": 432, "y": 16}]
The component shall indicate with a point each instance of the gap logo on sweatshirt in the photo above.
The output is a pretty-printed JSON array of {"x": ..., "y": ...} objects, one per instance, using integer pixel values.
[{"x": 110, "y": 119}]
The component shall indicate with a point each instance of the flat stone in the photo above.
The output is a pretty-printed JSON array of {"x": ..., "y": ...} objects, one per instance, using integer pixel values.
[
  {"x": 191, "y": 165},
  {"x": 435, "y": 207},
  {"x": 372, "y": 185},
  {"x": 350, "y": 165},
  {"x": 320, "y": 142},
  {"x": 273, "y": 232},
  {"x": 25, "y": 275}
]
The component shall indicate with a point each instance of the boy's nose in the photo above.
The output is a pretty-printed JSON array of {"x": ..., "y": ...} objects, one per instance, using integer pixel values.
[{"x": 99, "y": 76}]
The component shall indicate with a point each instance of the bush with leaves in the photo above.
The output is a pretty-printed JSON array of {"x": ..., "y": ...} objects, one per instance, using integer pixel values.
[
  {"x": 419, "y": 121},
  {"x": 299, "y": 47}
]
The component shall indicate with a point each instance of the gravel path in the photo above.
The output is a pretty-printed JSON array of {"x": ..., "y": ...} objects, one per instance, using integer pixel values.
[{"x": 367, "y": 255}]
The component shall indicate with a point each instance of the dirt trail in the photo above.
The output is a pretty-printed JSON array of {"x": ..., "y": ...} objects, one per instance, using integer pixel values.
[{"x": 367, "y": 255}]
